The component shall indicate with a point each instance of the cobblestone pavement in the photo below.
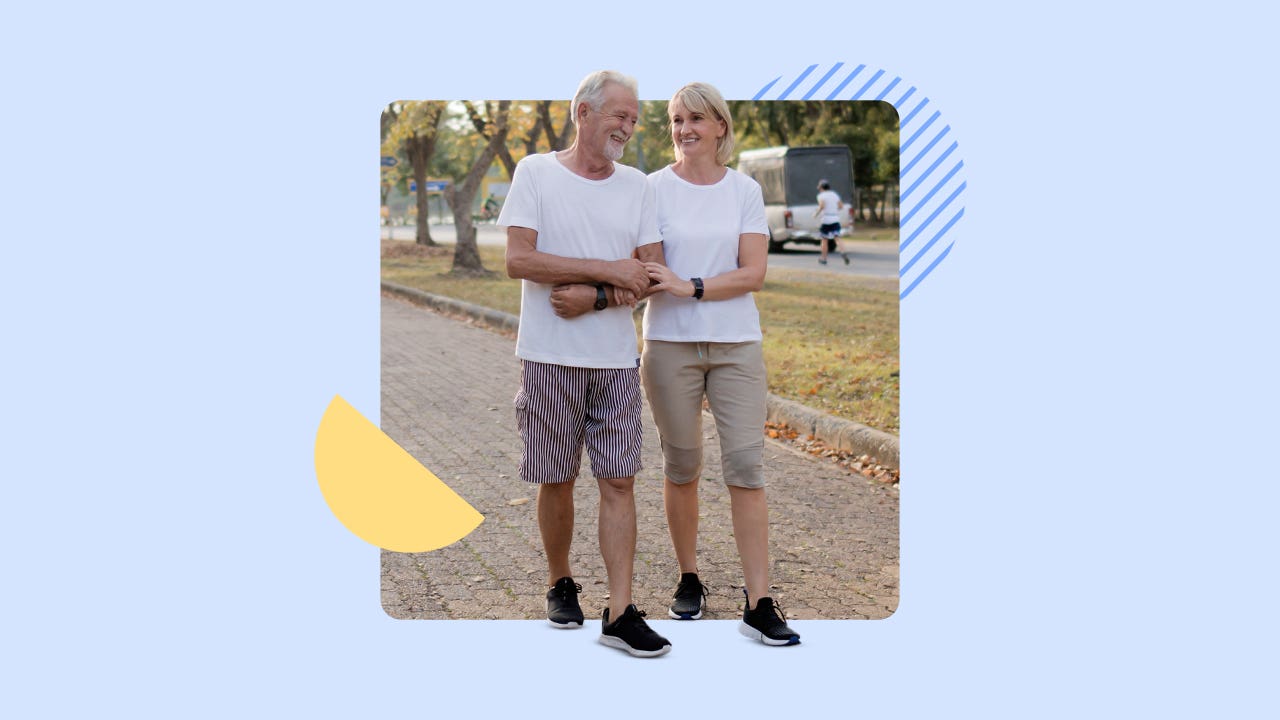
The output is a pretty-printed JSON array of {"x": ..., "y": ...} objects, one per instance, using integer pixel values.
[{"x": 447, "y": 388}]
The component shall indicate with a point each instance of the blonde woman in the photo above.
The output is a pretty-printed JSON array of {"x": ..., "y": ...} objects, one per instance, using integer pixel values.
[{"x": 702, "y": 339}]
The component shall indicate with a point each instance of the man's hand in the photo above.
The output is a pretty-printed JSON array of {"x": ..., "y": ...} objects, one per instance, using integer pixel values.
[
  {"x": 622, "y": 297},
  {"x": 570, "y": 301},
  {"x": 629, "y": 274}
]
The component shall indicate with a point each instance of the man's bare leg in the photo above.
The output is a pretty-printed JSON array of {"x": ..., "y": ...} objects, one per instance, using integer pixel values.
[
  {"x": 555, "y": 523},
  {"x": 618, "y": 539}
]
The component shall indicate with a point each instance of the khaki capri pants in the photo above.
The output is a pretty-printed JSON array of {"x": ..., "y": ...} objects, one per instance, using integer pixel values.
[{"x": 676, "y": 376}]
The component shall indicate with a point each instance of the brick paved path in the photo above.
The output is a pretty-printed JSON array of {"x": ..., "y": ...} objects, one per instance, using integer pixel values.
[{"x": 447, "y": 388}]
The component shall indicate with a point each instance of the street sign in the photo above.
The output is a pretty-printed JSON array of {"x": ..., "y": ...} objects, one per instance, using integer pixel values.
[
  {"x": 388, "y": 161},
  {"x": 432, "y": 185}
]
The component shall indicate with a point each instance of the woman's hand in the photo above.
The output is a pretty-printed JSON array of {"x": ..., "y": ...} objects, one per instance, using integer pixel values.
[{"x": 668, "y": 281}]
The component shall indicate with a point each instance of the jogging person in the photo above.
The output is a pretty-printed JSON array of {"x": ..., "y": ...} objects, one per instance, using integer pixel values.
[{"x": 829, "y": 207}]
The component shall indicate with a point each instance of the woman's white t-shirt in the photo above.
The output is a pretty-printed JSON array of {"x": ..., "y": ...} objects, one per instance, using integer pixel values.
[{"x": 700, "y": 227}]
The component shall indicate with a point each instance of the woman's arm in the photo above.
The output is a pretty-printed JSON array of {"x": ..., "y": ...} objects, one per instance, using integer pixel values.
[{"x": 753, "y": 258}]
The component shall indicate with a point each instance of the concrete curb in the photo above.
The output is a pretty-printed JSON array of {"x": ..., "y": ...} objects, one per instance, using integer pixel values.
[
  {"x": 839, "y": 433},
  {"x": 489, "y": 316}
]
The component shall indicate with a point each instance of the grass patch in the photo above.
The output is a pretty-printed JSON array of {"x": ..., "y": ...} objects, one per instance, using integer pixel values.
[
  {"x": 426, "y": 268},
  {"x": 830, "y": 341}
]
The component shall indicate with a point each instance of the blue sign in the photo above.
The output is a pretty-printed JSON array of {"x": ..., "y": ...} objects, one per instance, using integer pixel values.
[
  {"x": 388, "y": 161},
  {"x": 432, "y": 185}
]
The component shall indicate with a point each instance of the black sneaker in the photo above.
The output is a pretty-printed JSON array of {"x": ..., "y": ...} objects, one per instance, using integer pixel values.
[
  {"x": 563, "y": 610},
  {"x": 767, "y": 624},
  {"x": 630, "y": 633},
  {"x": 690, "y": 598},
  {"x": 846, "y": 257}
]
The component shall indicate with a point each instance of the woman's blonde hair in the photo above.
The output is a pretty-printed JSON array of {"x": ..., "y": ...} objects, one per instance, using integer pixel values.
[{"x": 702, "y": 98}]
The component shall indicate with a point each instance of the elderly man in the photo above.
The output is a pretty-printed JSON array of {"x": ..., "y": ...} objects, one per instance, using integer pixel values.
[{"x": 572, "y": 217}]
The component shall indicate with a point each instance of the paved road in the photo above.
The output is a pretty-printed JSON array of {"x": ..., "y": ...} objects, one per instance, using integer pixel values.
[
  {"x": 447, "y": 388},
  {"x": 877, "y": 258}
]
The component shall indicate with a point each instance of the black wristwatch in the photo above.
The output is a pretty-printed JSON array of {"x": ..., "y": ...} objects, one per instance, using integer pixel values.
[
  {"x": 697, "y": 288},
  {"x": 602, "y": 300}
]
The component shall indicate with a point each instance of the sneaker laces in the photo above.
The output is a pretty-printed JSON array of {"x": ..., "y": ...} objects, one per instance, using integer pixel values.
[
  {"x": 562, "y": 589},
  {"x": 774, "y": 620},
  {"x": 691, "y": 587},
  {"x": 777, "y": 612},
  {"x": 632, "y": 618}
]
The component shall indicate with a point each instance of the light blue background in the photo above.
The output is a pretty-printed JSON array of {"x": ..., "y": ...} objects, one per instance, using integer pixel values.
[{"x": 190, "y": 275}]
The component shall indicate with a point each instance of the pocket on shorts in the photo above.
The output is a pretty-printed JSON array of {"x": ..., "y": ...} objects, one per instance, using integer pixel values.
[{"x": 521, "y": 405}]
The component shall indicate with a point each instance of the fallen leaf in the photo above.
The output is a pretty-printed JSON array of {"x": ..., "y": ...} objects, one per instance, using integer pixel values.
[{"x": 518, "y": 501}]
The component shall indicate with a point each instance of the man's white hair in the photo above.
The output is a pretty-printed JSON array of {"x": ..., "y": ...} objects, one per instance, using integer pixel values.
[{"x": 591, "y": 90}]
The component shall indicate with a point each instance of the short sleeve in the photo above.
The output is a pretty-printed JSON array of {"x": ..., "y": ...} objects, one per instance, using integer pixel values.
[
  {"x": 753, "y": 218},
  {"x": 648, "y": 218},
  {"x": 521, "y": 207}
]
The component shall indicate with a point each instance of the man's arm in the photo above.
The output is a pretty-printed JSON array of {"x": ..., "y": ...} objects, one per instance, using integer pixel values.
[
  {"x": 573, "y": 299},
  {"x": 525, "y": 262}
]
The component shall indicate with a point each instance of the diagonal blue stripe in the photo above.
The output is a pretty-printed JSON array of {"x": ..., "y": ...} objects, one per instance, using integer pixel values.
[
  {"x": 840, "y": 87},
  {"x": 928, "y": 172},
  {"x": 931, "y": 217},
  {"x": 907, "y": 119},
  {"x": 932, "y": 242},
  {"x": 879, "y": 74},
  {"x": 917, "y": 133},
  {"x": 923, "y": 152},
  {"x": 925, "y": 274},
  {"x": 823, "y": 81},
  {"x": 796, "y": 84},
  {"x": 765, "y": 89},
  {"x": 901, "y": 100},
  {"x": 892, "y": 85}
]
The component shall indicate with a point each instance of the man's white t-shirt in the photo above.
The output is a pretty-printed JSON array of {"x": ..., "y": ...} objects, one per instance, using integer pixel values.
[
  {"x": 578, "y": 218},
  {"x": 830, "y": 202},
  {"x": 700, "y": 227}
]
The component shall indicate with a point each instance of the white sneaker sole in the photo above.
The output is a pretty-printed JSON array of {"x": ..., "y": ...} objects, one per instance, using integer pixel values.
[
  {"x": 620, "y": 644},
  {"x": 748, "y": 631},
  {"x": 563, "y": 626}
]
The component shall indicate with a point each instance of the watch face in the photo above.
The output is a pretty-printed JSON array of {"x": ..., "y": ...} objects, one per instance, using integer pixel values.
[{"x": 602, "y": 301}]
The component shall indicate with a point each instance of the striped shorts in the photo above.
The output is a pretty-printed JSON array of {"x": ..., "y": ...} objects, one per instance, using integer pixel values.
[{"x": 559, "y": 408}]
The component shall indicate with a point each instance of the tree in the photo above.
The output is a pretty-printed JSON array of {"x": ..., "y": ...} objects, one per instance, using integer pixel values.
[
  {"x": 493, "y": 128},
  {"x": 870, "y": 129},
  {"x": 528, "y": 124},
  {"x": 414, "y": 127}
]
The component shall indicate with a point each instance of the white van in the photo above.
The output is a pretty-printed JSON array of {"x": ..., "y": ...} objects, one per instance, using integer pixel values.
[{"x": 789, "y": 178}]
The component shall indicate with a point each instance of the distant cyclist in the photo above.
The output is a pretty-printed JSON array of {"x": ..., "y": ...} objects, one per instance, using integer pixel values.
[
  {"x": 490, "y": 209},
  {"x": 829, "y": 207}
]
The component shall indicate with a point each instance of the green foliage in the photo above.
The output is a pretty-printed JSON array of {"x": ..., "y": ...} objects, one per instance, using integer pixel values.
[{"x": 870, "y": 129}]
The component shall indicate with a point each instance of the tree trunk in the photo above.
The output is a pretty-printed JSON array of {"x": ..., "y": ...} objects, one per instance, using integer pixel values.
[
  {"x": 466, "y": 255},
  {"x": 419, "y": 150},
  {"x": 558, "y": 140}
]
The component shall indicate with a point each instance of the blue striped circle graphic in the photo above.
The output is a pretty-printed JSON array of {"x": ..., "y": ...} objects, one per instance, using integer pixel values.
[{"x": 931, "y": 179}]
